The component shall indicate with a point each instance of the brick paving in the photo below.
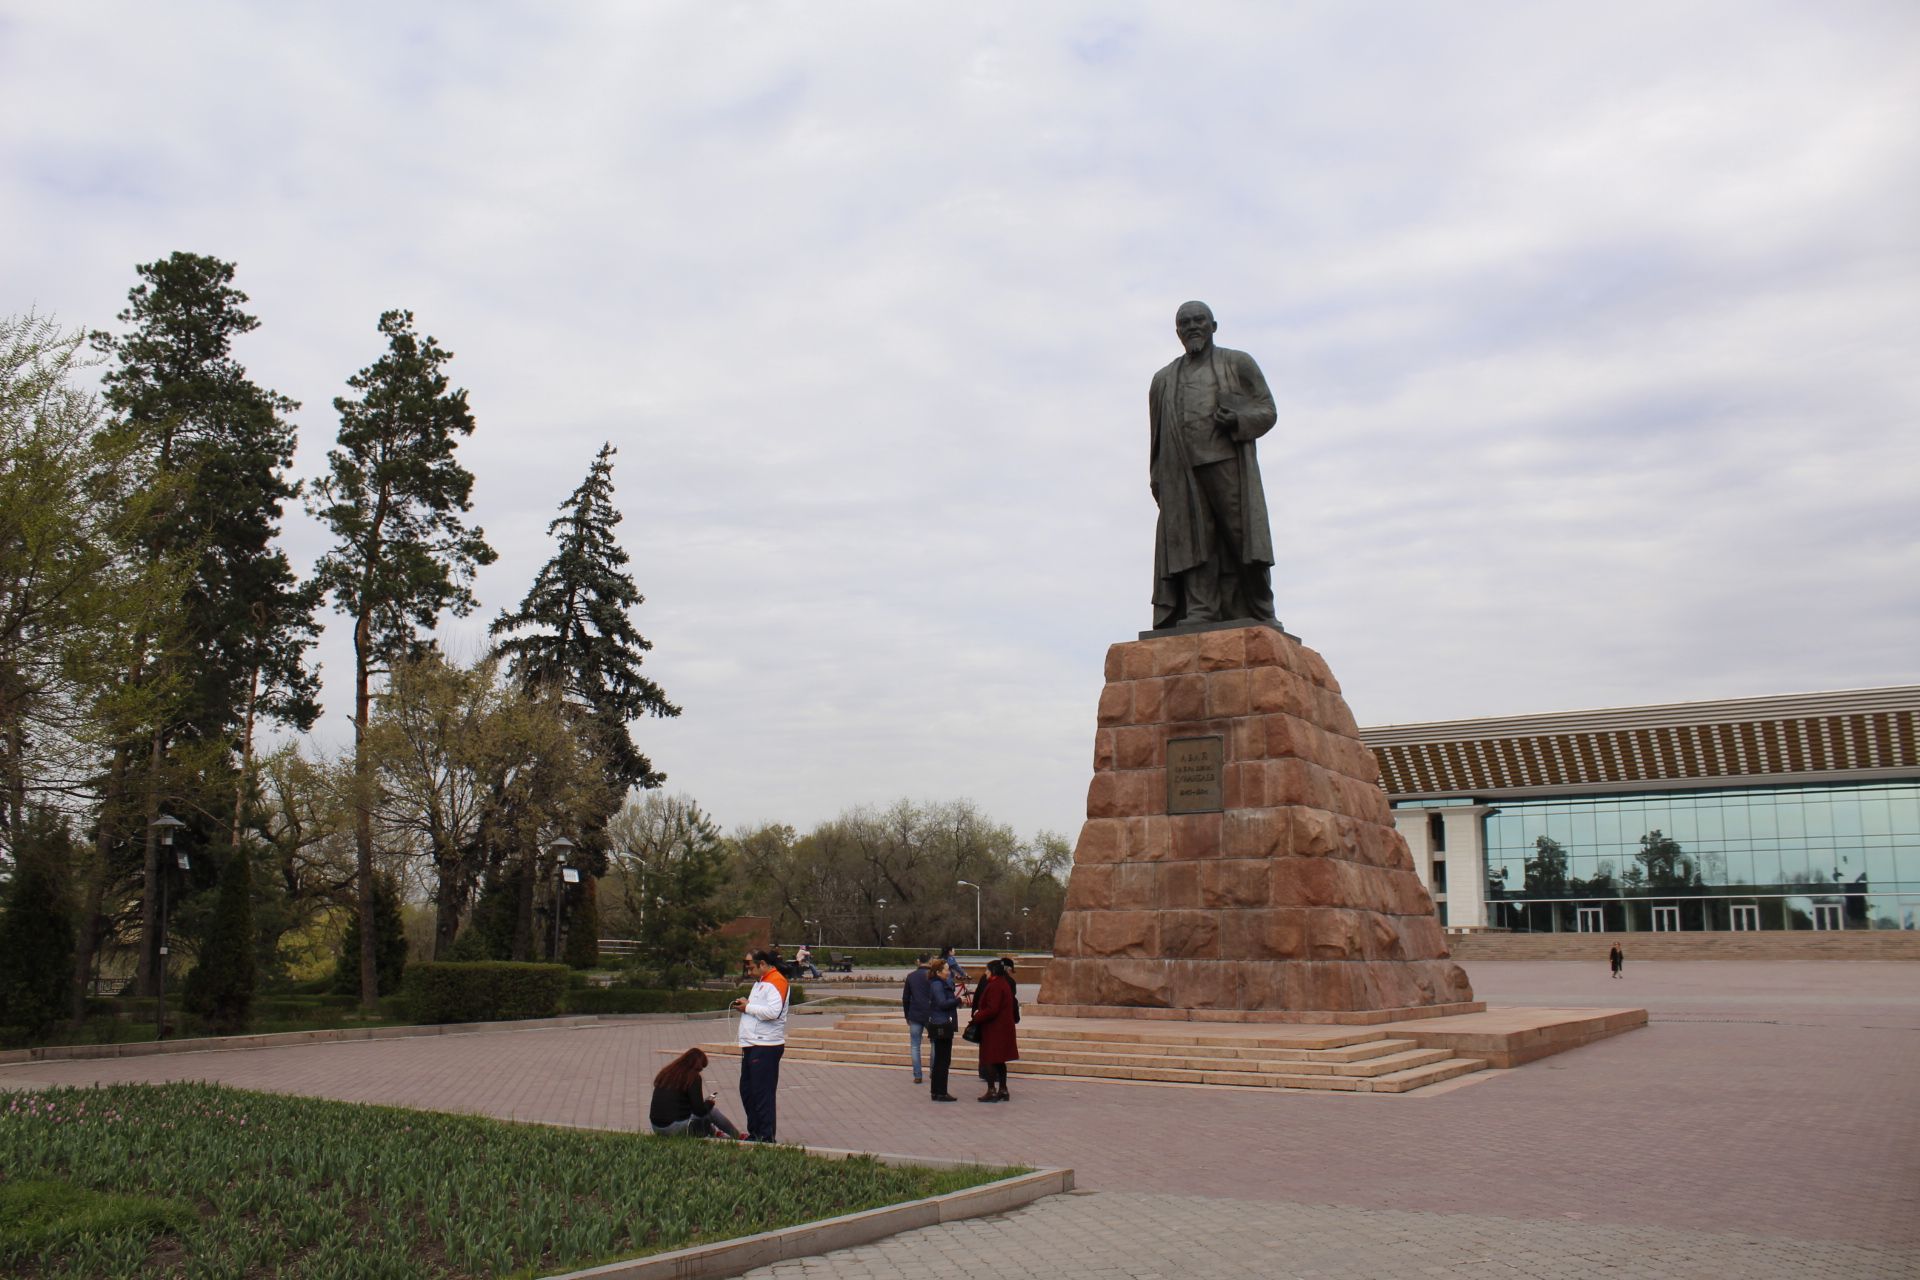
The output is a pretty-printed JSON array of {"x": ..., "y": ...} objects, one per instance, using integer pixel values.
[{"x": 1766, "y": 1123}]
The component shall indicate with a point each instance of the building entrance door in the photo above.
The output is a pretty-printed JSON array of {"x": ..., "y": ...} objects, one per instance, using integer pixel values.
[
  {"x": 1826, "y": 915},
  {"x": 1666, "y": 919},
  {"x": 1590, "y": 920},
  {"x": 1746, "y": 917}
]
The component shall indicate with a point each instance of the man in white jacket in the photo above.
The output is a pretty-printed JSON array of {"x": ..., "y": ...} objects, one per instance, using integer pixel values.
[{"x": 763, "y": 1040}]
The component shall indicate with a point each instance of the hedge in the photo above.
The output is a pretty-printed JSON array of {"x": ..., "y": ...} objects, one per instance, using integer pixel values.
[
  {"x": 657, "y": 1000},
  {"x": 483, "y": 991}
]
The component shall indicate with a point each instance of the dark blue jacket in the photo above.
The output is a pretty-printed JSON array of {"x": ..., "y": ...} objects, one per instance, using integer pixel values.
[
  {"x": 916, "y": 997},
  {"x": 944, "y": 1002}
]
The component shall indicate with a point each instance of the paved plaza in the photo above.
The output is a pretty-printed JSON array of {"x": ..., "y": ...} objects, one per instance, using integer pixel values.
[{"x": 1766, "y": 1123}]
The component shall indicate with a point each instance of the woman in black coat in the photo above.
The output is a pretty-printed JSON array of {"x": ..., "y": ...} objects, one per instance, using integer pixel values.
[{"x": 941, "y": 1024}]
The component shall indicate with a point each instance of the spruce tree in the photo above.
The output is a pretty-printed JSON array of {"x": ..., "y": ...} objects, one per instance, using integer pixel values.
[
  {"x": 394, "y": 497},
  {"x": 389, "y": 944},
  {"x": 574, "y": 632},
  {"x": 220, "y": 988}
]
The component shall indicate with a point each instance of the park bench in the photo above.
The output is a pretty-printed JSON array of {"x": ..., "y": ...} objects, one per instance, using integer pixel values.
[{"x": 837, "y": 963}]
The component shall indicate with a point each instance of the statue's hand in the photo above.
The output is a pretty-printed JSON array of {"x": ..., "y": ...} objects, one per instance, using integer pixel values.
[{"x": 1225, "y": 418}]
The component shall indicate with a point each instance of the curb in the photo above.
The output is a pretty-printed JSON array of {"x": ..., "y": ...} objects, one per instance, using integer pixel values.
[{"x": 732, "y": 1257}]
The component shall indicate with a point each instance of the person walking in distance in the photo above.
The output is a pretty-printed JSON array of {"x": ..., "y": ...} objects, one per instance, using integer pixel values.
[
  {"x": 995, "y": 1010},
  {"x": 940, "y": 1027},
  {"x": 1615, "y": 959},
  {"x": 916, "y": 1006},
  {"x": 763, "y": 1041}
]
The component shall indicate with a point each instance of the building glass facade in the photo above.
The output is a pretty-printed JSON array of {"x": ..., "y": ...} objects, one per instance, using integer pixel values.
[{"x": 1785, "y": 857}]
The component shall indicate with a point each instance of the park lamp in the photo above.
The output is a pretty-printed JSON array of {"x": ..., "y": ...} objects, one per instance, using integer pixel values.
[
  {"x": 165, "y": 825},
  {"x": 976, "y": 910},
  {"x": 564, "y": 875}
]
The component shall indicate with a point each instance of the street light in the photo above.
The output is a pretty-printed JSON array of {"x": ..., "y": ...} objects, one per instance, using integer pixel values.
[
  {"x": 1026, "y": 934},
  {"x": 819, "y": 933},
  {"x": 563, "y": 875},
  {"x": 976, "y": 910},
  {"x": 165, "y": 825}
]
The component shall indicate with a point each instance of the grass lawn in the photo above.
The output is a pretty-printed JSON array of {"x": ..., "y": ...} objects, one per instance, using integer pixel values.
[{"x": 201, "y": 1180}]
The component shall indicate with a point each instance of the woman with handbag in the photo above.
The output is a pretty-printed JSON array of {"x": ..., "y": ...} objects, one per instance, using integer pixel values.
[
  {"x": 995, "y": 1010},
  {"x": 941, "y": 1024}
]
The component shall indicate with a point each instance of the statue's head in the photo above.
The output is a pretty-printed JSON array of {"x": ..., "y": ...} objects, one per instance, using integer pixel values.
[{"x": 1194, "y": 323}]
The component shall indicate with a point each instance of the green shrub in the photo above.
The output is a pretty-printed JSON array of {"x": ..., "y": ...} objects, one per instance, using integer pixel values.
[
  {"x": 486, "y": 991},
  {"x": 36, "y": 928}
]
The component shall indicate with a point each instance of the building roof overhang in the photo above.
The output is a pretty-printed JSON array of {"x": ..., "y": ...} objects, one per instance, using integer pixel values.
[{"x": 1854, "y": 735}]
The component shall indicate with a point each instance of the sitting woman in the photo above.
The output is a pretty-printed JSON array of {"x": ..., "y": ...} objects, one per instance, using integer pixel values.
[{"x": 680, "y": 1105}]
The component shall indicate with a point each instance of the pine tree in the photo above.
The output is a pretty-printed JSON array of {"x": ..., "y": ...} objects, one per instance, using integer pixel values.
[
  {"x": 394, "y": 497},
  {"x": 222, "y": 448},
  {"x": 176, "y": 386},
  {"x": 220, "y": 988},
  {"x": 36, "y": 926},
  {"x": 574, "y": 632}
]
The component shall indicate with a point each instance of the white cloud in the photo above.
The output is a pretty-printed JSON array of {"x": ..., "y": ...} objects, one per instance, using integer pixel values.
[{"x": 1591, "y": 327}]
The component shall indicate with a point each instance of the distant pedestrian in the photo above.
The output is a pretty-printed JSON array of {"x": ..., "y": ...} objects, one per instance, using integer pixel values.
[
  {"x": 1615, "y": 959},
  {"x": 996, "y": 1009},
  {"x": 916, "y": 1006},
  {"x": 763, "y": 1041},
  {"x": 682, "y": 1105},
  {"x": 941, "y": 1024}
]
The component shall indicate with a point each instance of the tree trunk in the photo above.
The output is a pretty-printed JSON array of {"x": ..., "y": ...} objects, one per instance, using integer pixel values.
[
  {"x": 523, "y": 913},
  {"x": 150, "y": 883},
  {"x": 93, "y": 880},
  {"x": 449, "y": 898},
  {"x": 363, "y": 812}
]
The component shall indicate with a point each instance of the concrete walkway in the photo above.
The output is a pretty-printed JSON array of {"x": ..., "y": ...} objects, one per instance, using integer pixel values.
[{"x": 1766, "y": 1123}]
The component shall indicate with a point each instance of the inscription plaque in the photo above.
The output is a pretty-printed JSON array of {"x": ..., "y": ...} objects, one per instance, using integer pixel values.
[{"x": 1195, "y": 769}]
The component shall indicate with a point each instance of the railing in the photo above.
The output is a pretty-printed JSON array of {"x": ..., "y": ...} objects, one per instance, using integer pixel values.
[{"x": 620, "y": 946}]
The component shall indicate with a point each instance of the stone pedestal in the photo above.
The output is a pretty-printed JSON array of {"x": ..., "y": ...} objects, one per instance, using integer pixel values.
[{"x": 1294, "y": 900}]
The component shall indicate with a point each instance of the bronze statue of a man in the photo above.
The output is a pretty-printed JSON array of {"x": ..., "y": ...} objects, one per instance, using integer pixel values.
[{"x": 1212, "y": 550}]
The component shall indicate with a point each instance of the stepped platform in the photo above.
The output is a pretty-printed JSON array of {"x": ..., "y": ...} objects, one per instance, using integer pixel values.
[{"x": 1388, "y": 1058}]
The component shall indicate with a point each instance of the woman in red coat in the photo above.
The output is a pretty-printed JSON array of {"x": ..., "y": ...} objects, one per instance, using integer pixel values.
[{"x": 994, "y": 1011}]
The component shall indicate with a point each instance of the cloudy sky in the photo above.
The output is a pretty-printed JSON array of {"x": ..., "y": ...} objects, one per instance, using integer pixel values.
[{"x": 1593, "y": 330}]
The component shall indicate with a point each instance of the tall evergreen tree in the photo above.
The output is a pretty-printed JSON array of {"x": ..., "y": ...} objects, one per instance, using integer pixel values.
[
  {"x": 394, "y": 497},
  {"x": 36, "y": 926},
  {"x": 238, "y": 649},
  {"x": 220, "y": 988},
  {"x": 573, "y": 632}
]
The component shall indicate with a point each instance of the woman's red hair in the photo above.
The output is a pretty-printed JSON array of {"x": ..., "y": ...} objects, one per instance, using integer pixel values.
[{"x": 682, "y": 1075}]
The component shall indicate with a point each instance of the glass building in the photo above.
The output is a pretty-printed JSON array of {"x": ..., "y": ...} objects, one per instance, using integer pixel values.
[{"x": 1794, "y": 812}]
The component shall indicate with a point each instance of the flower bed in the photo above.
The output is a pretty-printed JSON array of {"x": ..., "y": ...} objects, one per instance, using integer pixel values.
[{"x": 299, "y": 1187}]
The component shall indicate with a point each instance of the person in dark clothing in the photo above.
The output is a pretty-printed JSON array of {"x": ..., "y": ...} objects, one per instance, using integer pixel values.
[
  {"x": 1616, "y": 959},
  {"x": 995, "y": 1010},
  {"x": 941, "y": 1024},
  {"x": 681, "y": 1105},
  {"x": 956, "y": 972},
  {"x": 916, "y": 1006}
]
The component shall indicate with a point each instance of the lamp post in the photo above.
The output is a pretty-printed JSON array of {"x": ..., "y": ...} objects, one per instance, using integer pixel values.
[
  {"x": 819, "y": 933},
  {"x": 976, "y": 910},
  {"x": 166, "y": 824},
  {"x": 563, "y": 875},
  {"x": 881, "y": 904},
  {"x": 1026, "y": 934}
]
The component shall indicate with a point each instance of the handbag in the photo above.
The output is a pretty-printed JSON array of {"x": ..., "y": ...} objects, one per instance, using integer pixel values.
[
  {"x": 940, "y": 1032},
  {"x": 972, "y": 1034}
]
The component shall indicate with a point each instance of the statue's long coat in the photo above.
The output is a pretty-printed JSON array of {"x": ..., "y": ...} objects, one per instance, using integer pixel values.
[{"x": 1184, "y": 536}]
